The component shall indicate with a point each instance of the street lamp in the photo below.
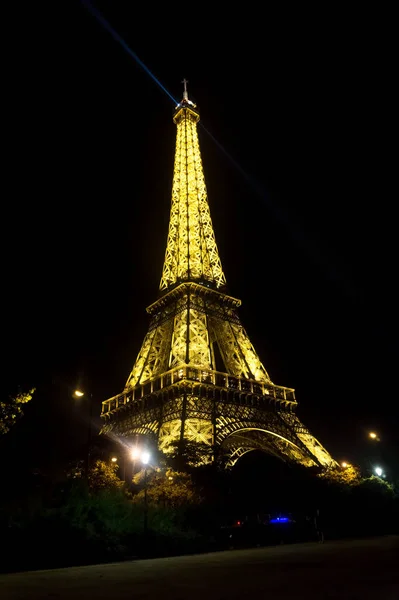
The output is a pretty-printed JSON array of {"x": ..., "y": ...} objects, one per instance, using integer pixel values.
[
  {"x": 145, "y": 459},
  {"x": 144, "y": 456},
  {"x": 378, "y": 471},
  {"x": 114, "y": 459},
  {"x": 135, "y": 453},
  {"x": 80, "y": 394}
]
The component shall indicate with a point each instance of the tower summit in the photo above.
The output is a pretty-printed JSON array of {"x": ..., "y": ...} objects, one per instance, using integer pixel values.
[
  {"x": 191, "y": 250},
  {"x": 197, "y": 376}
]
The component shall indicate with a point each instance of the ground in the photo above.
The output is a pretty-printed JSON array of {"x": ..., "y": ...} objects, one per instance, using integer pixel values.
[{"x": 355, "y": 569}]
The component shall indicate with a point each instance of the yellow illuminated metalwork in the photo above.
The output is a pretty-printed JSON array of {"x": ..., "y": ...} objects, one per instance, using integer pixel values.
[
  {"x": 197, "y": 376},
  {"x": 186, "y": 328},
  {"x": 191, "y": 250}
]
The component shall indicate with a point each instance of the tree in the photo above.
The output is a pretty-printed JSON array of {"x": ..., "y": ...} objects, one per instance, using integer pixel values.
[
  {"x": 376, "y": 487},
  {"x": 185, "y": 454},
  {"x": 102, "y": 475},
  {"x": 348, "y": 475},
  {"x": 11, "y": 409},
  {"x": 166, "y": 488}
]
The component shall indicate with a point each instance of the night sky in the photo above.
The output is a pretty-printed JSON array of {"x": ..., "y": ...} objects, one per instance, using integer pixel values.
[{"x": 298, "y": 136}]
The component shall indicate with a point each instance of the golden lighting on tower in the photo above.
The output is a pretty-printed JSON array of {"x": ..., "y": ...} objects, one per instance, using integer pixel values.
[
  {"x": 191, "y": 250},
  {"x": 197, "y": 377}
]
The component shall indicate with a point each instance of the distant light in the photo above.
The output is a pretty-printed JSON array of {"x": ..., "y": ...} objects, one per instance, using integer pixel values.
[
  {"x": 344, "y": 465},
  {"x": 372, "y": 435},
  {"x": 280, "y": 520},
  {"x": 114, "y": 459},
  {"x": 78, "y": 393},
  {"x": 378, "y": 471},
  {"x": 135, "y": 453},
  {"x": 145, "y": 457}
]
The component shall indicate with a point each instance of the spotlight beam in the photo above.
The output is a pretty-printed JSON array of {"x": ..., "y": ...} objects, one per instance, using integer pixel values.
[{"x": 88, "y": 5}]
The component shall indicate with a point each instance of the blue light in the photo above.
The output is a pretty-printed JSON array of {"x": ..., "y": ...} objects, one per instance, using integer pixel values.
[{"x": 279, "y": 520}]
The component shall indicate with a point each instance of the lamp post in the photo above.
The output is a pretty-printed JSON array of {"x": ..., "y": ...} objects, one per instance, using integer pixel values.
[
  {"x": 135, "y": 455},
  {"x": 144, "y": 457},
  {"x": 80, "y": 394}
]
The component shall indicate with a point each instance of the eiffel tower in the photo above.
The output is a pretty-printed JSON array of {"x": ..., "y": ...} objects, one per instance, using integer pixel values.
[{"x": 197, "y": 376}]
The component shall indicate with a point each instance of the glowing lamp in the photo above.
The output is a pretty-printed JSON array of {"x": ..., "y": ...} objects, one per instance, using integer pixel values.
[
  {"x": 145, "y": 457},
  {"x": 135, "y": 453}
]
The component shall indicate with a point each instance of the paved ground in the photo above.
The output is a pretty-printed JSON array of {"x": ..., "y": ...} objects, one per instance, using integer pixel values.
[{"x": 359, "y": 569}]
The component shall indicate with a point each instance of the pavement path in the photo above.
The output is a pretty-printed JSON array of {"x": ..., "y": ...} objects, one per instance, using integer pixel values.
[{"x": 348, "y": 570}]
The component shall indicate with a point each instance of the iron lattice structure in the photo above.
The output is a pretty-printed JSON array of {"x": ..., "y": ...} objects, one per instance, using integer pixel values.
[{"x": 197, "y": 376}]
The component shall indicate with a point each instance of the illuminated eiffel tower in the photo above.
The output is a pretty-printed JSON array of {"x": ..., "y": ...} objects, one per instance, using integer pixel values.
[{"x": 197, "y": 376}]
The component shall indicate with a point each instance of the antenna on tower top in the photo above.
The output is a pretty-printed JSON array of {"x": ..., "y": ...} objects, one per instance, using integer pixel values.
[
  {"x": 185, "y": 101},
  {"x": 185, "y": 95}
]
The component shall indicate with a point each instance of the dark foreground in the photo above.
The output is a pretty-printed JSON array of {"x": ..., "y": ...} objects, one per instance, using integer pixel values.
[{"x": 356, "y": 569}]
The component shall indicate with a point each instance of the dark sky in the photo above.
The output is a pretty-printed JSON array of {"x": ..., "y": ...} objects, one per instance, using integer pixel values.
[{"x": 298, "y": 138}]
